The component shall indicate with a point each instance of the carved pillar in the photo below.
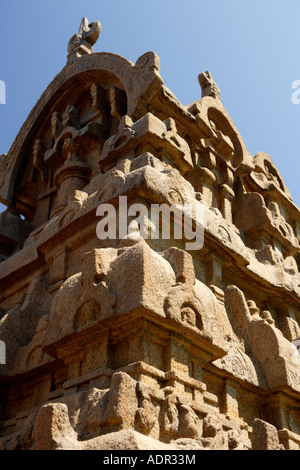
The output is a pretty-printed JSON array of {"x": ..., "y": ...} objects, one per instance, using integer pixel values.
[
  {"x": 214, "y": 269},
  {"x": 198, "y": 366},
  {"x": 178, "y": 359},
  {"x": 226, "y": 196},
  {"x": 58, "y": 270},
  {"x": 229, "y": 402},
  {"x": 72, "y": 176},
  {"x": 208, "y": 180},
  {"x": 67, "y": 156},
  {"x": 205, "y": 179}
]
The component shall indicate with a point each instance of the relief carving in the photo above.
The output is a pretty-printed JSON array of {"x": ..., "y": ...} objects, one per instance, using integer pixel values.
[
  {"x": 264, "y": 341},
  {"x": 133, "y": 343}
]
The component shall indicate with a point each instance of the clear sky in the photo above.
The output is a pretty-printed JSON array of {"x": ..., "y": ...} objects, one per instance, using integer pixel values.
[{"x": 252, "y": 48}]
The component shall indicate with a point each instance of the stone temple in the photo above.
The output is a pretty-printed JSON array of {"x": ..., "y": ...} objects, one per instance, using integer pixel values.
[{"x": 133, "y": 342}]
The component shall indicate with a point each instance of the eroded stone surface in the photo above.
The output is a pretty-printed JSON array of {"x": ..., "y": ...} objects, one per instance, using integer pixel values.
[{"x": 134, "y": 342}]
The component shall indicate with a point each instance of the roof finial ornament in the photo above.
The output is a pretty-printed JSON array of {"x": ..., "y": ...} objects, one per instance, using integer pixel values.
[
  {"x": 208, "y": 85},
  {"x": 82, "y": 42}
]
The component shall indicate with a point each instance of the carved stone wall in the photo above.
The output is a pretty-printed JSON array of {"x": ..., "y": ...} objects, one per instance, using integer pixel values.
[{"x": 134, "y": 342}]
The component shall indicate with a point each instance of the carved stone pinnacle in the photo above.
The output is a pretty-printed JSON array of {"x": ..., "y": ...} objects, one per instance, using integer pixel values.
[
  {"x": 208, "y": 85},
  {"x": 82, "y": 42}
]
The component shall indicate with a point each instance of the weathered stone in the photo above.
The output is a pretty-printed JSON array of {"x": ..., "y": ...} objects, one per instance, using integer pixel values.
[
  {"x": 264, "y": 436},
  {"x": 82, "y": 42},
  {"x": 116, "y": 336},
  {"x": 52, "y": 429}
]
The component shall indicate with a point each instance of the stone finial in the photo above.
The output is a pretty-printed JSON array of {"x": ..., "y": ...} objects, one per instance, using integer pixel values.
[
  {"x": 208, "y": 85},
  {"x": 82, "y": 42}
]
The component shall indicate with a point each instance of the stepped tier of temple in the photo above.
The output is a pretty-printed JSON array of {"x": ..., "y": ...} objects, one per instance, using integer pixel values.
[{"x": 134, "y": 342}]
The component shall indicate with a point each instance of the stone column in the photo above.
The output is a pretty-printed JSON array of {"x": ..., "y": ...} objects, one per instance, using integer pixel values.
[{"x": 72, "y": 176}]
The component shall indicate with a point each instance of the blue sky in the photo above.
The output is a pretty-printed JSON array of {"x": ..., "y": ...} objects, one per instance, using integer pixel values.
[{"x": 251, "y": 47}]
